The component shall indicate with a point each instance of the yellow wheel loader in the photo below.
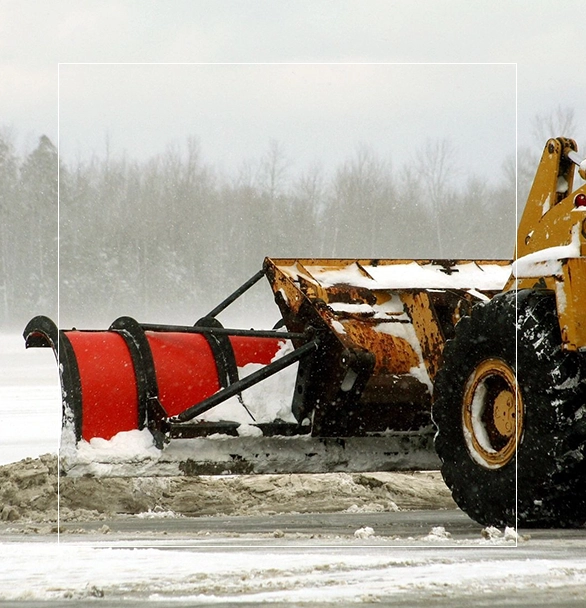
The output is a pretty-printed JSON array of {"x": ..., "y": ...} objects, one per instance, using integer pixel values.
[
  {"x": 509, "y": 399},
  {"x": 474, "y": 366}
]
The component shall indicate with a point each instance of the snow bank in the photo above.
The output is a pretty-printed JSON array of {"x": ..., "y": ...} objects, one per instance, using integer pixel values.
[
  {"x": 364, "y": 532},
  {"x": 28, "y": 494},
  {"x": 438, "y": 533}
]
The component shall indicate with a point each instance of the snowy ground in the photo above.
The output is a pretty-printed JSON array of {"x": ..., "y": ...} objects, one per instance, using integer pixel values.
[
  {"x": 30, "y": 402},
  {"x": 447, "y": 561},
  {"x": 256, "y": 569}
]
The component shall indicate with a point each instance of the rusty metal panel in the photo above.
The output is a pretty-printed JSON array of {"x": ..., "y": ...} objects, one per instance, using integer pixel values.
[
  {"x": 427, "y": 329},
  {"x": 383, "y": 325}
]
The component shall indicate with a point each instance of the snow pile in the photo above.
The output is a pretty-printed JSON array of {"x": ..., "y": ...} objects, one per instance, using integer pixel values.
[
  {"x": 438, "y": 533},
  {"x": 512, "y": 535},
  {"x": 267, "y": 401},
  {"x": 489, "y": 536},
  {"x": 496, "y": 536},
  {"x": 28, "y": 494},
  {"x": 127, "y": 446},
  {"x": 248, "y": 430},
  {"x": 491, "y": 533},
  {"x": 364, "y": 532},
  {"x": 158, "y": 513},
  {"x": 376, "y": 507},
  {"x": 133, "y": 450}
]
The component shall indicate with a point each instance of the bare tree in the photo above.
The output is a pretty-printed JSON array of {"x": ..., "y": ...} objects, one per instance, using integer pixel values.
[
  {"x": 438, "y": 168},
  {"x": 274, "y": 167},
  {"x": 360, "y": 193},
  {"x": 39, "y": 185},
  {"x": 559, "y": 122},
  {"x": 307, "y": 215}
]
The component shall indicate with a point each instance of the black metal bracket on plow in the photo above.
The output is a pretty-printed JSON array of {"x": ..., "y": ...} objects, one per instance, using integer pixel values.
[
  {"x": 226, "y": 331},
  {"x": 151, "y": 413},
  {"x": 234, "y": 296},
  {"x": 41, "y": 332},
  {"x": 223, "y": 356}
]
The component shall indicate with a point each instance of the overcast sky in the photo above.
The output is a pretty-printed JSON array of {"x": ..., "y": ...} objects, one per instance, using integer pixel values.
[
  {"x": 321, "y": 77},
  {"x": 318, "y": 113}
]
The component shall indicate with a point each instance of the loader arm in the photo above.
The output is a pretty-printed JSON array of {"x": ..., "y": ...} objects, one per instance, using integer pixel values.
[{"x": 551, "y": 239}]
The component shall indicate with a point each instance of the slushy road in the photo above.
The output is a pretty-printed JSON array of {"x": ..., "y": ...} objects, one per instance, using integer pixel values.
[{"x": 294, "y": 560}]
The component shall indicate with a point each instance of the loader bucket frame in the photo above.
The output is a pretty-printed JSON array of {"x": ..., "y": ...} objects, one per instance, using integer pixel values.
[{"x": 383, "y": 325}]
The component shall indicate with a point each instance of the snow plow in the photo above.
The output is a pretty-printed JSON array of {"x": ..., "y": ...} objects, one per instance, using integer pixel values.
[{"x": 474, "y": 366}]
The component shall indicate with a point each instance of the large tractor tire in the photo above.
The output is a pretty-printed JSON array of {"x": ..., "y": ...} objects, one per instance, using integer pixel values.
[{"x": 508, "y": 406}]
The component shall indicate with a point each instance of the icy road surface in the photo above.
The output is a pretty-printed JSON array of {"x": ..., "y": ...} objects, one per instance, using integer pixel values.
[{"x": 194, "y": 565}]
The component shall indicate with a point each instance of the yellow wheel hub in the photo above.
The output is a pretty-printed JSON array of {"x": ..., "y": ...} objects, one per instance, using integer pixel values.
[{"x": 492, "y": 413}]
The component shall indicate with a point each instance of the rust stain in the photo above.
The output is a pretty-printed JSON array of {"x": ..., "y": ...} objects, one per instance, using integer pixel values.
[{"x": 392, "y": 354}]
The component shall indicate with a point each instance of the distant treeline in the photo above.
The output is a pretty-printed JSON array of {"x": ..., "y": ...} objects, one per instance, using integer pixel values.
[
  {"x": 28, "y": 232},
  {"x": 173, "y": 234}
]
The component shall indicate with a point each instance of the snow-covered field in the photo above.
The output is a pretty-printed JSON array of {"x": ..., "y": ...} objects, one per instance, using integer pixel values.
[
  {"x": 30, "y": 401},
  {"x": 426, "y": 567}
]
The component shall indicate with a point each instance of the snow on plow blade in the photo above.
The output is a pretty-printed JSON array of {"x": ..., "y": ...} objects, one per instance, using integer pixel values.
[{"x": 347, "y": 387}]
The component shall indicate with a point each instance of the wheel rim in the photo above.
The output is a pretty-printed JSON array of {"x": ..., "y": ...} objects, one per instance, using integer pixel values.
[{"x": 492, "y": 414}]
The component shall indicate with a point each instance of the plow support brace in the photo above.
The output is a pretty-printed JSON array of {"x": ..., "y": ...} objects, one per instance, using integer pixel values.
[{"x": 251, "y": 380}]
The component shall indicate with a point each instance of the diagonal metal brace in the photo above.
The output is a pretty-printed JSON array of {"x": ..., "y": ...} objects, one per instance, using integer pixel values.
[
  {"x": 233, "y": 297},
  {"x": 251, "y": 380}
]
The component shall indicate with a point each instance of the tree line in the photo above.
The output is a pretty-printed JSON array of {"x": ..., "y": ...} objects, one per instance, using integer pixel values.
[
  {"x": 28, "y": 232},
  {"x": 165, "y": 239}
]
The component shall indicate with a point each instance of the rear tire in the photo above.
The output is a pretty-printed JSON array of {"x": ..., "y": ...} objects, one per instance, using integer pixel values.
[{"x": 507, "y": 407}]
